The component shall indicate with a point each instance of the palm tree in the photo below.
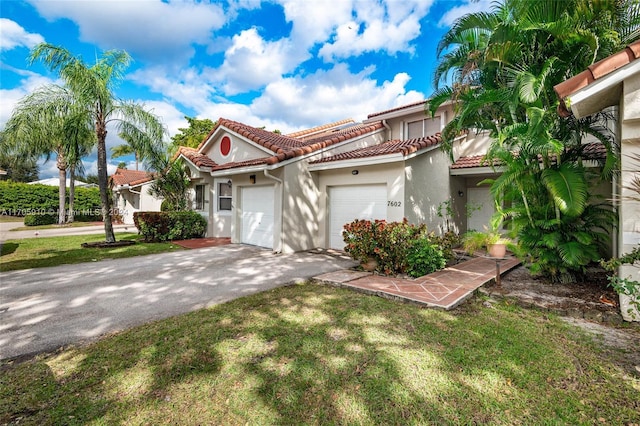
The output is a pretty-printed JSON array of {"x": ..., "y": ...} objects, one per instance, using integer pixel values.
[
  {"x": 504, "y": 64},
  {"x": 47, "y": 122},
  {"x": 92, "y": 89}
]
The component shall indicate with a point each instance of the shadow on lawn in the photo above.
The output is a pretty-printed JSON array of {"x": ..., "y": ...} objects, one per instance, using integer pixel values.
[{"x": 307, "y": 355}]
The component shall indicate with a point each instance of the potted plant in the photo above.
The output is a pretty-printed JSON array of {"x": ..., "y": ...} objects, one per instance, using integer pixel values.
[{"x": 491, "y": 240}]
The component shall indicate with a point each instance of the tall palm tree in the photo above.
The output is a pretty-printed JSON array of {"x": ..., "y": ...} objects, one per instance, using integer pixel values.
[
  {"x": 92, "y": 88},
  {"x": 47, "y": 123},
  {"x": 502, "y": 67}
]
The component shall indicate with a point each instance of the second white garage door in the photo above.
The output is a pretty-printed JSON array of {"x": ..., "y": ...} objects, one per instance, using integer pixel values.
[
  {"x": 347, "y": 203},
  {"x": 257, "y": 215}
]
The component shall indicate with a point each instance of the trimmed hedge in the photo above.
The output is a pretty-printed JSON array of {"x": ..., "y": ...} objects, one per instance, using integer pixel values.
[
  {"x": 21, "y": 199},
  {"x": 168, "y": 226},
  {"x": 40, "y": 219}
]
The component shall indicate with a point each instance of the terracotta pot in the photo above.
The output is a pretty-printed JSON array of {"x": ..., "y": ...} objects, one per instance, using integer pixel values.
[
  {"x": 497, "y": 250},
  {"x": 370, "y": 265}
]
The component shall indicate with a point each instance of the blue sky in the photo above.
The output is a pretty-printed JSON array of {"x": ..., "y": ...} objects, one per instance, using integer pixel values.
[{"x": 283, "y": 64}]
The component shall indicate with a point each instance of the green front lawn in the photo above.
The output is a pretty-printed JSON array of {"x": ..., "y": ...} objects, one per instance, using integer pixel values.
[
  {"x": 310, "y": 354},
  {"x": 52, "y": 251}
]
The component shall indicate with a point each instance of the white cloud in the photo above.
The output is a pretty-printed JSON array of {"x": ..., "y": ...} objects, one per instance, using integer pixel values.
[
  {"x": 471, "y": 6},
  {"x": 11, "y": 97},
  {"x": 389, "y": 27},
  {"x": 251, "y": 62},
  {"x": 13, "y": 35},
  {"x": 327, "y": 96},
  {"x": 152, "y": 29}
]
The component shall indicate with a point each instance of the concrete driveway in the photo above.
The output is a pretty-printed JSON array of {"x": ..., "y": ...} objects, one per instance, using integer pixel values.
[{"x": 44, "y": 309}]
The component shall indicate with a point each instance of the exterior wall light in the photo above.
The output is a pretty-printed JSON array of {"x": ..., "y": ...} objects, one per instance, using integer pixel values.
[
  {"x": 354, "y": 172},
  {"x": 229, "y": 183},
  {"x": 252, "y": 179},
  {"x": 460, "y": 194}
]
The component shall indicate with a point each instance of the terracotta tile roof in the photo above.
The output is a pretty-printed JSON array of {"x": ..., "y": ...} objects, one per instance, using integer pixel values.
[
  {"x": 390, "y": 147},
  {"x": 200, "y": 160},
  {"x": 130, "y": 177},
  {"x": 283, "y": 147},
  {"x": 595, "y": 72},
  {"x": 590, "y": 151},
  {"x": 303, "y": 133},
  {"x": 414, "y": 104}
]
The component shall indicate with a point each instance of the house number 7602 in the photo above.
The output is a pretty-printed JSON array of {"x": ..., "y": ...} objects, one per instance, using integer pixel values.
[{"x": 394, "y": 203}]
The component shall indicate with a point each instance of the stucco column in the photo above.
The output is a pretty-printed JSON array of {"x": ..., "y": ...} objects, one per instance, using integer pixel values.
[{"x": 630, "y": 167}]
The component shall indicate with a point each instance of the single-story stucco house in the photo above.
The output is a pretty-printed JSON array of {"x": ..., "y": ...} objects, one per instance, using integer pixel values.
[
  {"x": 131, "y": 193},
  {"x": 614, "y": 83}
]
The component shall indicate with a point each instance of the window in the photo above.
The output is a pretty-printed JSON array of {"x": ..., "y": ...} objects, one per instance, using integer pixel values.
[
  {"x": 224, "y": 196},
  {"x": 422, "y": 128},
  {"x": 200, "y": 197}
]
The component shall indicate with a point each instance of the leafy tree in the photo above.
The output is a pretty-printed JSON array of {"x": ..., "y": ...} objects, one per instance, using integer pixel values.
[
  {"x": 90, "y": 90},
  {"x": 47, "y": 122},
  {"x": 172, "y": 185},
  {"x": 193, "y": 135},
  {"x": 502, "y": 66},
  {"x": 19, "y": 168}
]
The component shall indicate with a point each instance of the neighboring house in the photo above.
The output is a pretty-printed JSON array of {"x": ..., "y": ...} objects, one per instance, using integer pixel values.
[
  {"x": 295, "y": 192},
  {"x": 614, "y": 82},
  {"x": 131, "y": 193},
  {"x": 56, "y": 182}
]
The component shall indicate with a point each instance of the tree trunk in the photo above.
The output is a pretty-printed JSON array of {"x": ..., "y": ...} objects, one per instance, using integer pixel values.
[
  {"x": 101, "y": 132},
  {"x": 62, "y": 187},
  {"x": 72, "y": 192}
]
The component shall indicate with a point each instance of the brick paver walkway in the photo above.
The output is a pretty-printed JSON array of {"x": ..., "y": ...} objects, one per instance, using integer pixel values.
[{"x": 443, "y": 289}]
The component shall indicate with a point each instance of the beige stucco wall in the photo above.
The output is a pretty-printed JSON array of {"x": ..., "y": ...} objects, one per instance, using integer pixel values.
[
  {"x": 428, "y": 185},
  {"x": 241, "y": 150},
  {"x": 471, "y": 145},
  {"x": 128, "y": 202},
  {"x": 398, "y": 124},
  {"x": 391, "y": 174}
]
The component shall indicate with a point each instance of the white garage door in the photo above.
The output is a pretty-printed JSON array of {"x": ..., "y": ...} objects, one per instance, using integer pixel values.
[
  {"x": 257, "y": 215},
  {"x": 347, "y": 203}
]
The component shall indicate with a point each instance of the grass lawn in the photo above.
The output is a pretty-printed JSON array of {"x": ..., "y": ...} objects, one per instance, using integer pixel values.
[
  {"x": 56, "y": 226},
  {"x": 52, "y": 251},
  {"x": 310, "y": 354},
  {"x": 6, "y": 218}
]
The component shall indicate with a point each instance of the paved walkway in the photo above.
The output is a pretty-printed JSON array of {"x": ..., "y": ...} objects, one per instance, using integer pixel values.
[
  {"x": 444, "y": 289},
  {"x": 7, "y": 234}
]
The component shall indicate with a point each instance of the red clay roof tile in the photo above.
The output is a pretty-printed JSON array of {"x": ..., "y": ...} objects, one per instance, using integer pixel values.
[
  {"x": 283, "y": 147},
  {"x": 130, "y": 177},
  {"x": 390, "y": 147},
  {"x": 590, "y": 151},
  {"x": 595, "y": 72}
]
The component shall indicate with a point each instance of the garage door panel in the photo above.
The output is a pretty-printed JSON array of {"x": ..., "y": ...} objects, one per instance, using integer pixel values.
[
  {"x": 258, "y": 216},
  {"x": 347, "y": 203}
]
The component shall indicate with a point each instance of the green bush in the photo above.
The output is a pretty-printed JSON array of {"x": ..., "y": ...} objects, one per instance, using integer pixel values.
[
  {"x": 391, "y": 244},
  {"x": 425, "y": 257},
  {"x": 40, "y": 219},
  {"x": 168, "y": 226},
  {"x": 21, "y": 199}
]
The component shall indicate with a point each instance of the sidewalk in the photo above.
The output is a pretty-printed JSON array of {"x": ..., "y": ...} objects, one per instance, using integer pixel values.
[
  {"x": 444, "y": 289},
  {"x": 7, "y": 234}
]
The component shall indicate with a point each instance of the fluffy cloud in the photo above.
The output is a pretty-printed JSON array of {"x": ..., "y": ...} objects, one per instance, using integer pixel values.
[
  {"x": 332, "y": 95},
  {"x": 13, "y": 35},
  {"x": 470, "y": 6},
  {"x": 150, "y": 29},
  {"x": 10, "y": 97},
  {"x": 251, "y": 62}
]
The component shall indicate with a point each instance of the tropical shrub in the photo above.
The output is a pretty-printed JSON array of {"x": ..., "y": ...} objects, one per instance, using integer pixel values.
[
  {"x": 424, "y": 257},
  {"x": 40, "y": 219},
  {"x": 168, "y": 226},
  {"x": 392, "y": 244},
  {"x": 625, "y": 285}
]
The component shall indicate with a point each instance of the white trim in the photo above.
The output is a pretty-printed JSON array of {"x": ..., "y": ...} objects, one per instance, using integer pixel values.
[
  {"x": 470, "y": 171},
  {"x": 606, "y": 82}
]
